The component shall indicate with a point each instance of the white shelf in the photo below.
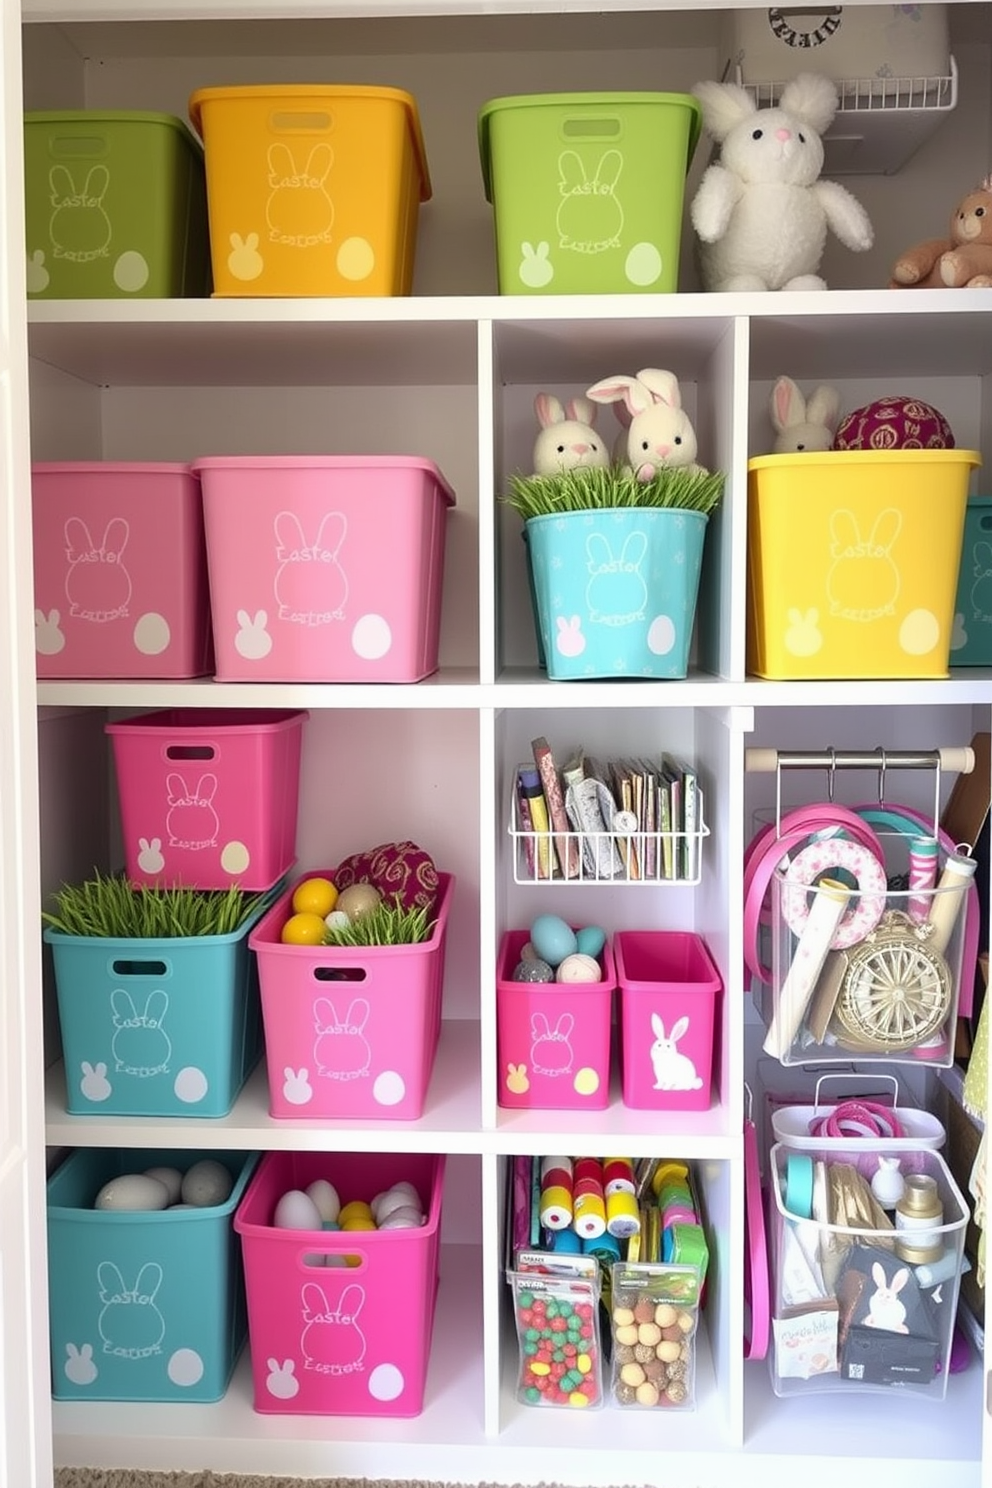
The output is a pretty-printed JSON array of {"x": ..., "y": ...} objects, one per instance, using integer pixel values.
[
  {"x": 450, "y": 1123},
  {"x": 451, "y": 687}
]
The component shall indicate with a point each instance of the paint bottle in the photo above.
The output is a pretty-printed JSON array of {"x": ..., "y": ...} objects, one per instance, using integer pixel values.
[{"x": 917, "y": 1212}]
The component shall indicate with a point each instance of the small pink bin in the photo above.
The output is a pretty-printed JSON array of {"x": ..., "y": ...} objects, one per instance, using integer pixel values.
[
  {"x": 340, "y": 1322},
  {"x": 350, "y": 1032},
  {"x": 552, "y": 1039},
  {"x": 325, "y": 568},
  {"x": 120, "y": 571},
  {"x": 668, "y": 993},
  {"x": 208, "y": 796}
]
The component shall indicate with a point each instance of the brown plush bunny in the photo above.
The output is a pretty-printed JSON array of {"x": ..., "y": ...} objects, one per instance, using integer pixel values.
[{"x": 962, "y": 260}]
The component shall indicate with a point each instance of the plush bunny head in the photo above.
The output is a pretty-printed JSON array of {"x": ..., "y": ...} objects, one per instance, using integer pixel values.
[
  {"x": 659, "y": 436},
  {"x": 803, "y": 424},
  {"x": 567, "y": 440},
  {"x": 780, "y": 144}
]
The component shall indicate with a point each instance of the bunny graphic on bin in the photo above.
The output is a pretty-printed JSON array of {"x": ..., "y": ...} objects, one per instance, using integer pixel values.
[
  {"x": 332, "y": 1342},
  {"x": 130, "y": 1324},
  {"x": 672, "y": 1069},
  {"x": 341, "y": 1050},
  {"x": 311, "y": 587},
  {"x": 140, "y": 1045},
  {"x": 97, "y": 585}
]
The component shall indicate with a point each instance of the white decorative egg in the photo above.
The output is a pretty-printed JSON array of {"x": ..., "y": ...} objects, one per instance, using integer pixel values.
[
  {"x": 406, "y": 1217},
  {"x": 296, "y": 1210},
  {"x": 325, "y": 1197},
  {"x": 171, "y": 1177},
  {"x": 579, "y": 968},
  {"x": 207, "y": 1183},
  {"x": 132, "y": 1191}
]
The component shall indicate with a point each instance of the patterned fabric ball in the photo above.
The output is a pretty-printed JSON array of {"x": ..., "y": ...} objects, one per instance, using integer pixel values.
[
  {"x": 893, "y": 424},
  {"x": 400, "y": 868}
]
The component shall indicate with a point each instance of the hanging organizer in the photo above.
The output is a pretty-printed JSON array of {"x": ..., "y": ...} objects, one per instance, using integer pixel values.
[{"x": 861, "y": 923}]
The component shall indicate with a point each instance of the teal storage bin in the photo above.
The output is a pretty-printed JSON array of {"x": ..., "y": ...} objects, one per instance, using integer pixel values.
[
  {"x": 587, "y": 189},
  {"x": 971, "y": 636},
  {"x": 115, "y": 206},
  {"x": 157, "y": 1027},
  {"x": 143, "y": 1305},
  {"x": 616, "y": 590}
]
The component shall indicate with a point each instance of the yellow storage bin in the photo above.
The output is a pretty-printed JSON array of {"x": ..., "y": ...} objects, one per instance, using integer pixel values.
[
  {"x": 311, "y": 189},
  {"x": 853, "y": 560}
]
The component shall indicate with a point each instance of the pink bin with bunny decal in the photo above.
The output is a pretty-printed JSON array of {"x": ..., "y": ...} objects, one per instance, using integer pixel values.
[
  {"x": 668, "y": 998},
  {"x": 120, "y": 570},
  {"x": 209, "y": 796},
  {"x": 325, "y": 568},
  {"x": 552, "y": 1038},
  {"x": 350, "y": 1031},
  {"x": 340, "y": 1322}
]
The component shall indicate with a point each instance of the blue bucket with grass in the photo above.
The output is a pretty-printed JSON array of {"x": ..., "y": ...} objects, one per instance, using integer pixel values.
[{"x": 616, "y": 590}]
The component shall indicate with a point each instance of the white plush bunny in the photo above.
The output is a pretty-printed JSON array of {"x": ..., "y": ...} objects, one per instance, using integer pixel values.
[
  {"x": 659, "y": 435},
  {"x": 762, "y": 213},
  {"x": 801, "y": 423},
  {"x": 567, "y": 440}
]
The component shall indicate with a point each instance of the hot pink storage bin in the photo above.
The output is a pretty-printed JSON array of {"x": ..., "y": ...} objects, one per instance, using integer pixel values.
[
  {"x": 120, "y": 571},
  {"x": 552, "y": 1038},
  {"x": 350, "y": 1031},
  {"x": 208, "y": 796},
  {"x": 350, "y": 1337},
  {"x": 668, "y": 995},
  {"x": 325, "y": 568}
]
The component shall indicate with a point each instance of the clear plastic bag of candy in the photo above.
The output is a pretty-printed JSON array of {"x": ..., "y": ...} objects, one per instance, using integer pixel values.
[
  {"x": 557, "y": 1321},
  {"x": 654, "y": 1313}
]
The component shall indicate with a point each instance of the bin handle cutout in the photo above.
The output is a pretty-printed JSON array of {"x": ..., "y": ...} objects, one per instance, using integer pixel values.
[
  {"x": 293, "y": 123},
  {"x": 312, "y": 1259},
  {"x": 133, "y": 968},
  {"x": 340, "y": 974},
  {"x": 190, "y": 751},
  {"x": 592, "y": 129},
  {"x": 83, "y": 147}
]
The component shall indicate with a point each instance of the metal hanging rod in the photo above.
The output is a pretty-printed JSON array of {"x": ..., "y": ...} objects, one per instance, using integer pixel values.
[{"x": 766, "y": 761}]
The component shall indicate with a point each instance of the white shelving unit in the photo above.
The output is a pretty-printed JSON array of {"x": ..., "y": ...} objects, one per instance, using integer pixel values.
[{"x": 451, "y": 374}]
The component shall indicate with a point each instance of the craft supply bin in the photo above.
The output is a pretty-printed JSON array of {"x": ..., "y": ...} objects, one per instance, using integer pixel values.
[
  {"x": 168, "y": 1027},
  {"x": 302, "y": 586},
  {"x": 669, "y": 989},
  {"x": 340, "y": 1322},
  {"x": 850, "y": 1314},
  {"x": 350, "y": 1031},
  {"x": 144, "y": 1305},
  {"x": 115, "y": 206},
  {"x": 313, "y": 189},
  {"x": 587, "y": 189},
  {"x": 853, "y": 560},
  {"x": 120, "y": 570},
  {"x": 971, "y": 637},
  {"x": 552, "y": 1038},
  {"x": 208, "y": 796}
]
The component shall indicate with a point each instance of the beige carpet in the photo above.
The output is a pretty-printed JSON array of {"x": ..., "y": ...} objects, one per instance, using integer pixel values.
[{"x": 87, "y": 1477}]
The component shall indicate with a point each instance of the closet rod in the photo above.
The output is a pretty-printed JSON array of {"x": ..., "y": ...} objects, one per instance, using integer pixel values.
[{"x": 960, "y": 760}]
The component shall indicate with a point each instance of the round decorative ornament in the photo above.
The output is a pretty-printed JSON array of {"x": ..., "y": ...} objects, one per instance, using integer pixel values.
[
  {"x": 893, "y": 424},
  {"x": 896, "y": 991},
  {"x": 533, "y": 971}
]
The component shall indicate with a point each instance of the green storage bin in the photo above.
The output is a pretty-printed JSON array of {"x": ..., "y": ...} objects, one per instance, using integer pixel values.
[
  {"x": 587, "y": 189},
  {"x": 115, "y": 207},
  {"x": 971, "y": 637}
]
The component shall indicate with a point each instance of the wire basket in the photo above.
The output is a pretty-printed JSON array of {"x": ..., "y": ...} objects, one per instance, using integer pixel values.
[{"x": 618, "y": 856}]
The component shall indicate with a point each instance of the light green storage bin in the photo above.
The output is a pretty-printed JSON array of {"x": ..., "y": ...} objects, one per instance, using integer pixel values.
[
  {"x": 971, "y": 637},
  {"x": 587, "y": 189},
  {"x": 115, "y": 207}
]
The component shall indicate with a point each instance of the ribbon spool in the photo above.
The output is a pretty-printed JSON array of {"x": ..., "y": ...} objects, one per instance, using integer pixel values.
[
  {"x": 866, "y": 903},
  {"x": 857, "y": 1118}
]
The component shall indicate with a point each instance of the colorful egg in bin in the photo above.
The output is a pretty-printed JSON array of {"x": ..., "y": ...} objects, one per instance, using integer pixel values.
[
  {"x": 356, "y": 1209},
  {"x": 315, "y": 896},
  {"x": 361, "y": 899},
  {"x": 303, "y": 929},
  {"x": 337, "y": 920},
  {"x": 325, "y": 1196},
  {"x": 552, "y": 939},
  {"x": 579, "y": 968},
  {"x": 296, "y": 1210},
  {"x": 894, "y": 424},
  {"x": 359, "y": 1222},
  {"x": 533, "y": 971},
  {"x": 590, "y": 940},
  {"x": 527, "y": 952},
  {"x": 207, "y": 1183}
]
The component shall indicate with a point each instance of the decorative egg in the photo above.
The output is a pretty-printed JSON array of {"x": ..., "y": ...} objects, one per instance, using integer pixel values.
[
  {"x": 406, "y": 1217},
  {"x": 325, "y": 1196},
  {"x": 133, "y": 1191},
  {"x": 303, "y": 929},
  {"x": 527, "y": 952},
  {"x": 552, "y": 939},
  {"x": 893, "y": 424},
  {"x": 394, "y": 1198},
  {"x": 337, "y": 920},
  {"x": 579, "y": 968},
  {"x": 171, "y": 1177},
  {"x": 315, "y": 896},
  {"x": 296, "y": 1210},
  {"x": 590, "y": 940},
  {"x": 533, "y": 971},
  {"x": 356, "y": 1209},
  {"x": 359, "y": 900},
  {"x": 207, "y": 1183}
]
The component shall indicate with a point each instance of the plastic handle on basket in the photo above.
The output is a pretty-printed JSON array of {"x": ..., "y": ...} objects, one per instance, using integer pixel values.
[
  {"x": 757, "y": 1293},
  {"x": 847, "y": 1077}
]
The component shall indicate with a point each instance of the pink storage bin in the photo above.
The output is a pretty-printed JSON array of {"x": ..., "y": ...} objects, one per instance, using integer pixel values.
[
  {"x": 668, "y": 992},
  {"x": 208, "y": 796},
  {"x": 552, "y": 1039},
  {"x": 346, "y": 1337},
  {"x": 120, "y": 571},
  {"x": 350, "y": 1031},
  {"x": 325, "y": 568}
]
